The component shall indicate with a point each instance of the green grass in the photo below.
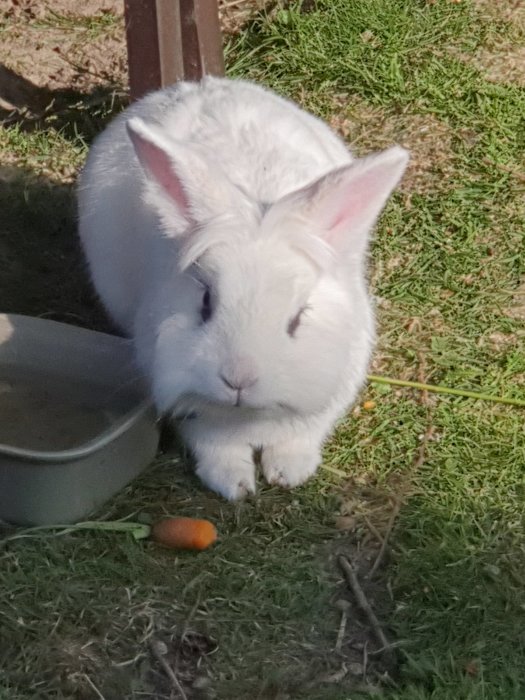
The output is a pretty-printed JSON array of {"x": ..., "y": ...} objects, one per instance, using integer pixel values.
[
  {"x": 105, "y": 594},
  {"x": 446, "y": 264}
]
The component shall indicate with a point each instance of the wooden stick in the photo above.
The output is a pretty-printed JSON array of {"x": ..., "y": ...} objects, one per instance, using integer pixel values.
[
  {"x": 382, "y": 550},
  {"x": 362, "y": 600},
  {"x": 94, "y": 687},
  {"x": 343, "y": 606},
  {"x": 373, "y": 529},
  {"x": 159, "y": 650}
]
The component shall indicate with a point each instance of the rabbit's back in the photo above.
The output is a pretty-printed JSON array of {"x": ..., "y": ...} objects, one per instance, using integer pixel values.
[{"x": 261, "y": 142}]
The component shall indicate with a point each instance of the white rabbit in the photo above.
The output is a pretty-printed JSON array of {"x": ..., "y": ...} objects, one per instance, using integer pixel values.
[{"x": 226, "y": 231}]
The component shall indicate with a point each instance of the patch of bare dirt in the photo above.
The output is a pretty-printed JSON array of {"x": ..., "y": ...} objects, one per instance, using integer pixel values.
[
  {"x": 178, "y": 665},
  {"x": 62, "y": 44},
  {"x": 55, "y": 50},
  {"x": 498, "y": 341},
  {"x": 167, "y": 664},
  {"x": 235, "y": 14}
]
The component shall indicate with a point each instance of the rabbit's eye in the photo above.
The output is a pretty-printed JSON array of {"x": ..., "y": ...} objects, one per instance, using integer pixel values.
[
  {"x": 295, "y": 322},
  {"x": 206, "y": 306}
]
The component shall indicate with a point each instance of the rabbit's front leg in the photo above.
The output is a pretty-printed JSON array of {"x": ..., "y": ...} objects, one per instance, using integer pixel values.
[
  {"x": 292, "y": 461},
  {"x": 226, "y": 467}
]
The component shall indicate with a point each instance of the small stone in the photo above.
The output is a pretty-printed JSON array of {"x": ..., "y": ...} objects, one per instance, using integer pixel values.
[
  {"x": 492, "y": 570},
  {"x": 159, "y": 647},
  {"x": 345, "y": 522},
  {"x": 356, "y": 669},
  {"x": 342, "y": 605}
]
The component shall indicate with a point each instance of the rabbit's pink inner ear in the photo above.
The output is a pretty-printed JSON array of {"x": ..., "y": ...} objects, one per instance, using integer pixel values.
[
  {"x": 349, "y": 201},
  {"x": 162, "y": 170},
  {"x": 159, "y": 165},
  {"x": 350, "y": 212},
  {"x": 349, "y": 206}
]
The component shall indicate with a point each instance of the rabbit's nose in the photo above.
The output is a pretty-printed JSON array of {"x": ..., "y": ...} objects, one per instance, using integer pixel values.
[
  {"x": 239, "y": 374},
  {"x": 238, "y": 384}
]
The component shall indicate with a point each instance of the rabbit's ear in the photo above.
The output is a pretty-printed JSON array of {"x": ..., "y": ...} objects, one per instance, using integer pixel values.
[
  {"x": 342, "y": 206},
  {"x": 155, "y": 156}
]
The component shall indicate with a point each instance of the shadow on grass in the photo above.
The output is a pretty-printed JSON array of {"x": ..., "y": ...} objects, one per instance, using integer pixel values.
[
  {"x": 460, "y": 601},
  {"x": 42, "y": 271},
  {"x": 74, "y": 114}
]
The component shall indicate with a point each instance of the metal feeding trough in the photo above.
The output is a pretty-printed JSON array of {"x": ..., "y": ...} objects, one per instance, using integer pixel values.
[{"x": 76, "y": 423}]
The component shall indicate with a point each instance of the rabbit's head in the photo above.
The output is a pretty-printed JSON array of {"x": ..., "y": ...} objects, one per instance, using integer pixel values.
[{"x": 259, "y": 305}]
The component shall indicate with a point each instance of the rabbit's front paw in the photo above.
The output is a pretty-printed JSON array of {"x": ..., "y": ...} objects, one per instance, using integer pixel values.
[
  {"x": 289, "y": 466},
  {"x": 230, "y": 473}
]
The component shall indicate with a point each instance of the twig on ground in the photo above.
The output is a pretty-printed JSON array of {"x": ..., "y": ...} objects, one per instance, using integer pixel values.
[
  {"x": 336, "y": 677},
  {"x": 373, "y": 529},
  {"x": 386, "y": 537},
  {"x": 192, "y": 612},
  {"x": 422, "y": 450},
  {"x": 391, "y": 647},
  {"x": 362, "y": 601},
  {"x": 365, "y": 661},
  {"x": 94, "y": 687},
  {"x": 159, "y": 650},
  {"x": 343, "y": 606}
]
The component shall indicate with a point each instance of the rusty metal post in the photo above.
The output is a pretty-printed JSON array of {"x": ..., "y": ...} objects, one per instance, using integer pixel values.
[{"x": 171, "y": 40}]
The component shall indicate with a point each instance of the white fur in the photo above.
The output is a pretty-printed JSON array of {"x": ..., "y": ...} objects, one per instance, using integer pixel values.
[{"x": 225, "y": 186}]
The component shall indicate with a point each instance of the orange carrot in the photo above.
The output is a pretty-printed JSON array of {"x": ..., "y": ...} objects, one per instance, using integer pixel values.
[{"x": 184, "y": 533}]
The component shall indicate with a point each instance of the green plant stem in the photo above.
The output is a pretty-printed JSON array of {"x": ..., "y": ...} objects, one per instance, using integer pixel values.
[
  {"x": 139, "y": 530},
  {"x": 438, "y": 389}
]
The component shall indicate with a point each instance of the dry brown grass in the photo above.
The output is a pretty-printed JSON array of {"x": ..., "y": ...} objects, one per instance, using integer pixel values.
[
  {"x": 503, "y": 63},
  {"x": 512, "y": 11},
  {"x": 428, "y": 139},
  {"x": 502, "y": 60},
  {"x": 235, "y": 14}
]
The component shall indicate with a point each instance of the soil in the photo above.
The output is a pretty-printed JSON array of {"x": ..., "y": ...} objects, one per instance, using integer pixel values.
[{"x": 43, "y": 53}]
